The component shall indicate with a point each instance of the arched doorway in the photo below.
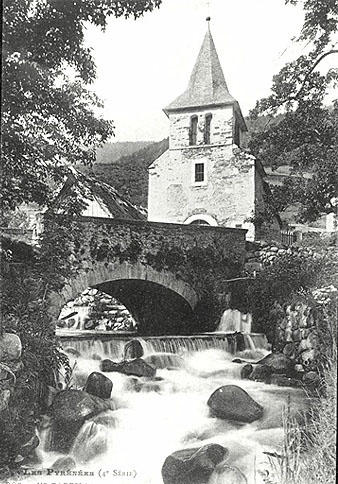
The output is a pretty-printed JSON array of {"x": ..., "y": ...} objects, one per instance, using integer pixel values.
[{"x": 201, "y": 219}]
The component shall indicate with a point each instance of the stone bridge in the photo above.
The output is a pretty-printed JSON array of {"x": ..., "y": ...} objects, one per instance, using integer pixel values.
[{"x": 169, "y": 276}]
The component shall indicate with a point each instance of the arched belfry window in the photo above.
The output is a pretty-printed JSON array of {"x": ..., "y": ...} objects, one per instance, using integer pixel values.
[
  {"x": 207, "y": 127},
  {"x": 193, "y": 130}
]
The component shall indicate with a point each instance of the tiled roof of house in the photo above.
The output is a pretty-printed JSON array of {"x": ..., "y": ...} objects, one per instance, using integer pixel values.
[
  {"x": 207, "y": 86},
  {"x": 89, "y": 188}
]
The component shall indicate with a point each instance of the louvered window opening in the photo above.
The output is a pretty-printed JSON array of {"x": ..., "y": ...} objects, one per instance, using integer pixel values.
[
  {"x": 193, "y": 131},
  {"x": 207, "y": 127}
]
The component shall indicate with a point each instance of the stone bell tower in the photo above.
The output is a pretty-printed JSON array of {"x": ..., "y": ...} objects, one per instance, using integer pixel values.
[{"x": 204, "y": 177}]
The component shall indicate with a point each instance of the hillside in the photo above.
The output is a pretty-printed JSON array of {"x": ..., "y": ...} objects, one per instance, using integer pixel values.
[
  {"x": 129, "y": 174},
  {"x": 112, "y": 152}
]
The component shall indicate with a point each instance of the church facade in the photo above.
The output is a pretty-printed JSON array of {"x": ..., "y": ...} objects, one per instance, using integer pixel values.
[{"x": 204, "y": 177}]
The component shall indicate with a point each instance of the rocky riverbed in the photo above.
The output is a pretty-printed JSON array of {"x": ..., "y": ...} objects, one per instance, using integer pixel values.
[{"x": 171, "y": 418}]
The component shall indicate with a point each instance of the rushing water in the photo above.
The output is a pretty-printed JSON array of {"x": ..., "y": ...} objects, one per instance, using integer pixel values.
[{"x": 172, "y": 413}]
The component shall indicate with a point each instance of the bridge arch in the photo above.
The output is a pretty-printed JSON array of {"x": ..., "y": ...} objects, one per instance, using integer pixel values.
[{"x": 135, "y": 285}]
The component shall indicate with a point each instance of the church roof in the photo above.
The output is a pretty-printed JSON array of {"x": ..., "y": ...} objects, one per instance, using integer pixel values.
[{"x": 207, "y": 86}]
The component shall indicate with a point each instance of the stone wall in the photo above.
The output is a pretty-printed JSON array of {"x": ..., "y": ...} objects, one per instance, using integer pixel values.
[
  {"x": 228, "y": 195},
  {"x": 262, "y": 254},
  {"x": 297, "y": 333},
  {"x": 221, "y": 129}
]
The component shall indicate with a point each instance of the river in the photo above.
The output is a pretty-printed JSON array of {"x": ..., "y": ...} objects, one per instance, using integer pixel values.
[{"x": 172, "y": 414}]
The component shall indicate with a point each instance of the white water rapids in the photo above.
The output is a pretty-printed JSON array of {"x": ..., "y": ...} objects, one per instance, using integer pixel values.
[{"x": 172, "y": 414}]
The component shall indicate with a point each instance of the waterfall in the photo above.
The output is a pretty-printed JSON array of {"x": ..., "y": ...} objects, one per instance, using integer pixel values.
[
  {"x": 233, "y": 320},
  {"x": 113, "y": 348}
]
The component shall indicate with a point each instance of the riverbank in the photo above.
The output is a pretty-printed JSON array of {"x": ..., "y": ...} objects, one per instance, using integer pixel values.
[{"x": 309, "y": 445}]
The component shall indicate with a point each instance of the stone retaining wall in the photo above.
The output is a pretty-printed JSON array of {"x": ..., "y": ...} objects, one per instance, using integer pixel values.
[
  {"x": 261, "y": 254},
  {"x": 297, "y": 332}
]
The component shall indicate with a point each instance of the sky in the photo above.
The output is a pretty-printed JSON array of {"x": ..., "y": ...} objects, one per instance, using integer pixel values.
[{"x": 143, "y": 65}]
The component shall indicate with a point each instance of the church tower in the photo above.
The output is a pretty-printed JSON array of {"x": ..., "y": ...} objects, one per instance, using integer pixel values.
[{"x": 204, "y": 177}]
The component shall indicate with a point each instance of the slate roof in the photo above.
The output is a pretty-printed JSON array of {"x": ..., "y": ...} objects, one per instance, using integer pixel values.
[
  {"x": 89, "y": 188},
  {"x": 207, "y": 86}
]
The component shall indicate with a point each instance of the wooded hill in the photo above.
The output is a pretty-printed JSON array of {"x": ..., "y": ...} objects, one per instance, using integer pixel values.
[{"x": 128, "y": 173}]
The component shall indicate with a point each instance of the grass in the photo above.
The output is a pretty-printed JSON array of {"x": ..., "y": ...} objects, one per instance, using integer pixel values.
[{"x": 308, "y": 455}]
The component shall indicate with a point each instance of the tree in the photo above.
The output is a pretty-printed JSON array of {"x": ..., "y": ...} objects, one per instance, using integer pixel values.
[
  {"x": 49, "y": 117},
  {"x": 305, "y": 136}
]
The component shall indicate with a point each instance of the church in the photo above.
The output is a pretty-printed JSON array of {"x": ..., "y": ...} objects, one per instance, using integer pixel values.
[{"x": 205, "y": 177}]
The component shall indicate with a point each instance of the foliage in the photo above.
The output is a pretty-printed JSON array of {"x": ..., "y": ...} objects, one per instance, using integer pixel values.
[
  {"x": 307, "y": 140},
  {"x": 128, "y": 174},
  {"x": 49, "y": 117},
  {"x": 305, "y": 137},
  {"x": 25, "y": 313},
  {"x": 111, "y": 153},
  {"x": 275, "y": 286}
]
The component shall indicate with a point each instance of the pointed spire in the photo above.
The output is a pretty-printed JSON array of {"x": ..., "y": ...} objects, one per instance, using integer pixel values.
[{"x": 207, "y": 86}]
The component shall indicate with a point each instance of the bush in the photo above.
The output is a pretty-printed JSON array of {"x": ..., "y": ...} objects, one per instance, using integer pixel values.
[{"x": 277, "y": 285}]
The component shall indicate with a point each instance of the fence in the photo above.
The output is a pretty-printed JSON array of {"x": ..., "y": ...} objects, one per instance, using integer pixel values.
[{"x": 288, "y": 237}]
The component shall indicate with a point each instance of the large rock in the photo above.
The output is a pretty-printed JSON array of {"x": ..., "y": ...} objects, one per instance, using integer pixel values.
[
  {"x": 133, "y": 349},
  {"x": 308, "y": 357},
  {"x": 137, "y": 367},
  {"x": 10, "y": 347},
  {"x": 69, "y": 410},
  {"x": 278, "y": 362},
  {"x": 63, "y": 464},
  {"x": 233, "y": 403},
  {"x": 164, "y": 360},
  {"x": 224, "y": 474},
  {"x": 91, "y": 441},
  {"x": 30, "y": 446},
  {"x": 284, "y": 381},
  {"x": 77, "y": 406},
  {"x": 192, "y": 466},
  {"x": 290, "y": 350},
  {"x": 246, "y": 371},
  {"x": 98, "y": 385},
  {"x": 261, "y": 373},
  {"x": 311, "y": 379}
]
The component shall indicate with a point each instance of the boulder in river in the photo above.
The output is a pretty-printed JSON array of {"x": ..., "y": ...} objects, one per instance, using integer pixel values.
[
  {"x": 246, "y": 371},
  {"x": 91, "y": 441},
  {"x": 64, "y": 464},
  {"x": 261, "y": 373},
  {"x": 192, "y": 466},
  {"x": 133, "y": 349},
  {"x": 278, "y": 362},
  {"x": 231, "y": 402},
  {"x": 98, "y": 385},
  {"x": 137, "y": 367},
  {"x": 164, "y": 360},
  {"x": 77, "y": 406},
  {"x": 69, "y": 410},
  {"x": 284, "y": 381}
]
